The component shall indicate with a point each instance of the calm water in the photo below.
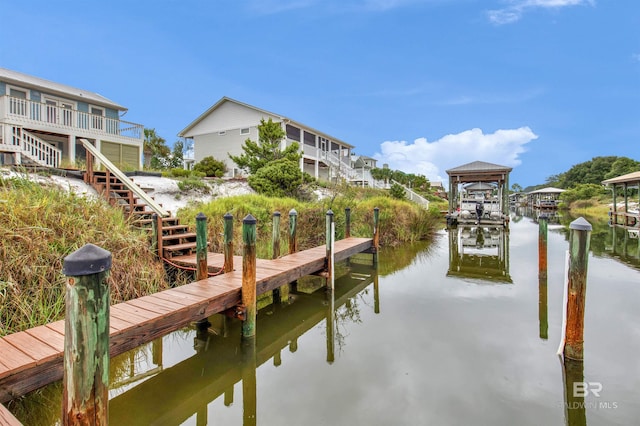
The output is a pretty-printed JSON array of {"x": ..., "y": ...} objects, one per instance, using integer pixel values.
[{"x": 455, "y": 333}]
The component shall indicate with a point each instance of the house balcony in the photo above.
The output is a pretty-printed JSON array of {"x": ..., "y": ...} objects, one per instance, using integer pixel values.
[{"x": 67, "y": 121}]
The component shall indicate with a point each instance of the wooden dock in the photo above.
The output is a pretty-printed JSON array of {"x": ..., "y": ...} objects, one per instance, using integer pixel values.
[{"x": 34, "y": 358}]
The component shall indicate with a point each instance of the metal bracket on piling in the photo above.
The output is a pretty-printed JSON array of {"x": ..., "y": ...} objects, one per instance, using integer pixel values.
[{"x": 238, "y": 311}]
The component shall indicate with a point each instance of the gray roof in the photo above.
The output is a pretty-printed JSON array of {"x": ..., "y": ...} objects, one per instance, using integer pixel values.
[
  {"x": 548, "y": 190},
  {"x": 629, "y": 177},
  {"x": 265, "y": 112},
  {"x": 20, "y": 79},
  {"x": 479, "y": 166}
]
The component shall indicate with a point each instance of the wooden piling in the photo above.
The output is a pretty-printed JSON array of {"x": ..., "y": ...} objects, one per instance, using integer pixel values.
[
  {"x": 276, "y": 235},
  {"x": 293, "y": 240},
  {"x": 579, "y": 241},
  {"x": 249, "y": 275},
  {"x": 228, "y": 242},
  {"x": 347, "y": 222},
  {"x": 376, "y": 234},
  {"x": 159, "y": 242},
  {"x": 85, "y": 399},
  {"x": 542, "y": 247},
  {"x": 154, "y": 234},
  {"x": 542, "y": 278},
  {"x": 202, "y": 269},
  {"x": 329, "y": 248}
]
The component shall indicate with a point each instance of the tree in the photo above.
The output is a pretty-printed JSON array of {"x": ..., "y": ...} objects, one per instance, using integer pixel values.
[
  {"x": 176, "y": 159},
  {"x": 154, "y": 149},
  {"x": 516, "y": 188},
  {"x": 381, "y": 174},
  {"x": 279, "y": 178},
  {"x": 622, "y": 166},
  {"x": 258, "y": 154}
]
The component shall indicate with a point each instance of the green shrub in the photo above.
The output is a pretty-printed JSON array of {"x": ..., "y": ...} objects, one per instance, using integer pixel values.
[
  {"x": 211, "y": 167},
  {"x": 397, "y": 191},
  {"x": 583, "y": 191},
  {"x": 279, "y": 178}
]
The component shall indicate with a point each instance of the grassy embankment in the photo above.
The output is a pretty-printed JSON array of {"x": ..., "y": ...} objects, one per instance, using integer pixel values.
[{"x": 41, "y": 226}]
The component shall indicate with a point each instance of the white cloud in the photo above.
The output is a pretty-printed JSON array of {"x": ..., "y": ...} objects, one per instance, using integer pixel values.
[
  {"x": 517, "y": 8},
  {"x": 432, "y": 159}
]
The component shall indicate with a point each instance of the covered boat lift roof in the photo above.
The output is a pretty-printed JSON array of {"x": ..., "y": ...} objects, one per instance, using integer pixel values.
[{"x": 476, "y": 172}]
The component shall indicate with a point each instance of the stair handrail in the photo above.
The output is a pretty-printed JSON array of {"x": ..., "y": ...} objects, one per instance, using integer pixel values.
[
  {"x": 39, "y": 151},
  {"x": 413, "y": 196},
  {"x": 130, "y": 184}
]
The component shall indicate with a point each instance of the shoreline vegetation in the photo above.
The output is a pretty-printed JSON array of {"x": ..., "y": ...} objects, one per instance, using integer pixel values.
[{"x": 42, "y": 224}]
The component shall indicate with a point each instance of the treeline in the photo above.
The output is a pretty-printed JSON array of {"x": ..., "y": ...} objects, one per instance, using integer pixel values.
[{"x": 592, "y": 172}]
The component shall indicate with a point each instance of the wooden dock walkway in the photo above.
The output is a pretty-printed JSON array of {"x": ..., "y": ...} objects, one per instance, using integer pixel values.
[{"x": 34, "y": 358}]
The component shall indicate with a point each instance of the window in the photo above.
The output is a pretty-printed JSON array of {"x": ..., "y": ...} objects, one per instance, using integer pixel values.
[
  {"x": 17, "y": 101},
  {"x": 244, "y": 131}
]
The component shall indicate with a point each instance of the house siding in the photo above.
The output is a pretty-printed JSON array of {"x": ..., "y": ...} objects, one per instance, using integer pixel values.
[
  {"x": 227, "y": 117},
  {"x": 220, "y": 146}
]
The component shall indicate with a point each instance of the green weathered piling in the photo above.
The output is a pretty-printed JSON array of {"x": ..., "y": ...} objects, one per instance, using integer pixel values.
[
  {"x": 293, "y": 240},
  {"x": 376, "y": 234},
  {"x": 154, "y": 234},
  {"x": 579, "y": 241},
  {"x": 275, "y": 238},
  {"x": 228, "y": 242},
  {"x": 202, "y": 269},
  {"x": 85, "y": 399},
  {"x": 542, "y": 277},
  {"x": 347, "y": 222},
  {"x": 249, "y": 275},
  {"x": 329, "y": 249}
]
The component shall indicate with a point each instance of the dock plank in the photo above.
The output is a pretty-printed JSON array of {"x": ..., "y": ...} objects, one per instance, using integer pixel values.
[
  {"x": 7, "y": 418},
  {"x": 34, "y": 358}
]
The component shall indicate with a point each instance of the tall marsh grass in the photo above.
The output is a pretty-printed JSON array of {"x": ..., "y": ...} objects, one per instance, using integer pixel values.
[
  {"x": 400, "y": 221},
  {"x": 39, "y": 227}
]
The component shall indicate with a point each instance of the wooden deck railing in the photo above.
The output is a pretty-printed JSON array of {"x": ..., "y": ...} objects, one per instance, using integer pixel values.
[{"x": 65, "y": 117}]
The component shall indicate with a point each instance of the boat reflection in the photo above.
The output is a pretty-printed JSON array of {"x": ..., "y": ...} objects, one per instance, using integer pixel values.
[{"x": 480, "y": 253}]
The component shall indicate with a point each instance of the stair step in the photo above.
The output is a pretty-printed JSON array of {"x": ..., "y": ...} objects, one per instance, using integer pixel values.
[
  {"x": 180, "y": 247},
  {"x": 173, "y": 237},
  {"x": 175, "y": 227}
]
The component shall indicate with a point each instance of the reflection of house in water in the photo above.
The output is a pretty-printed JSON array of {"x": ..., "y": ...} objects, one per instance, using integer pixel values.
[{"x": 479, "y": 252}]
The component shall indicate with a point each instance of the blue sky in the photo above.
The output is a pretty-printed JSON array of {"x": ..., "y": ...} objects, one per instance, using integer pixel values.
[{"x": 422, "y": 85}]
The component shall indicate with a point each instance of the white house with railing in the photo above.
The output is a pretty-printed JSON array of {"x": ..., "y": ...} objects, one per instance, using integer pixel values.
[
  {"x": 41, "y": 123},
  {"x": 222, "y": 130}
]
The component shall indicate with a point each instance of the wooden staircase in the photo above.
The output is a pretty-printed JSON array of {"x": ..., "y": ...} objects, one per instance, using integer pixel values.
[{"x": 174, "y": 239}]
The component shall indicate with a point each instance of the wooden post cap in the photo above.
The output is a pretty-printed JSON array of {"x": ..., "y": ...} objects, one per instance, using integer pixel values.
[
  {"x": 228, "y": 216},
  {"x": 276, "y": 213},
  {"x": 201, "y": 216},
  {"x": 580, "y": 224},
  {"x": 88, "y": 259},
  {"x": 329, "y": 212},
  {"x": 293, "y": 212},
  {"x": 249, "y": 220}
]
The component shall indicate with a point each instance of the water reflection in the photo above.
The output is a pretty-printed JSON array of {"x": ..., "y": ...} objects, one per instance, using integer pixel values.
[
  {"x": 188, "y": 387},
  {"x": 479, "y": 252},
  {"x": 574, "y": 402}
]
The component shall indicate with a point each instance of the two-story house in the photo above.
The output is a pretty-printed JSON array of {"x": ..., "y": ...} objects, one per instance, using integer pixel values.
[
  {"x": 41, "y": 122},
  {"x": 222, "y": 130}
]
